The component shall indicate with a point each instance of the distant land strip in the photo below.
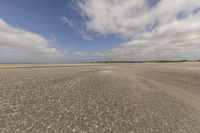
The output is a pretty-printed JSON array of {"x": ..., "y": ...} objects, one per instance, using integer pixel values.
[
  {"x": 46, "y": 66},
  {"x": 159, "y": 61}
]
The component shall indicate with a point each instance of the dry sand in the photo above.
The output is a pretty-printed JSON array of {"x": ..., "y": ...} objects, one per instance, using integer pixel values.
[{"x": 87, "y": 98}]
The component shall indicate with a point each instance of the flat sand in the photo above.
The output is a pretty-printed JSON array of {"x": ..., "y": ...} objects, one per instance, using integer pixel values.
[{"x": 92, "y": 98}]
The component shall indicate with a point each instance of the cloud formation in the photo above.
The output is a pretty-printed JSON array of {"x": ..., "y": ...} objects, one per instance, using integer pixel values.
[
  {"x": 67, "y": 21},
  {"x": 18, "y": 45},
  {"x": 163, "y": 30}
]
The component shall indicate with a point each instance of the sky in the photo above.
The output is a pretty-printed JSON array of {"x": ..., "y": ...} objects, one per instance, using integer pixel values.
[{"x": 60, "y": 31}]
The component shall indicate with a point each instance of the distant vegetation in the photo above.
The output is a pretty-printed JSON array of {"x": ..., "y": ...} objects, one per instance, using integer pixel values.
[{"x": 160, "y": 61}]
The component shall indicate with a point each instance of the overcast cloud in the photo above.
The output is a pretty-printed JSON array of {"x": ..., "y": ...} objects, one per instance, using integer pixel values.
[
  {"x": 169, "y": 29},
  {"x": 18, "y": 45}
]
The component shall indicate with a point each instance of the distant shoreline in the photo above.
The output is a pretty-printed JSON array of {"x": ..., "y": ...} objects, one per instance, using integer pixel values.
[{"x": 159, "y": 61}]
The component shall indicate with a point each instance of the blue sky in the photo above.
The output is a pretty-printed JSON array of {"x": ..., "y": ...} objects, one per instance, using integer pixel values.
[
  {"x": 84, "y": 30},
  {"x": 44, "y": 17}
]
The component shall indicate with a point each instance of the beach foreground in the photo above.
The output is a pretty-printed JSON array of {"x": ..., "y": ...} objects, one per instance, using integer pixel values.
[{"x": 122, "y": 98}]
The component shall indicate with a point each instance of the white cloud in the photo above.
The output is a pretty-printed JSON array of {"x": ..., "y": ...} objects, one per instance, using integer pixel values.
[
  {"x": 152, "y": 33},
  {"x": 112, "y": 16},
  {"x": 17, "y": 45},
  {"x": 67, "y": 21},
  {"x": 81, "y": 53}
]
